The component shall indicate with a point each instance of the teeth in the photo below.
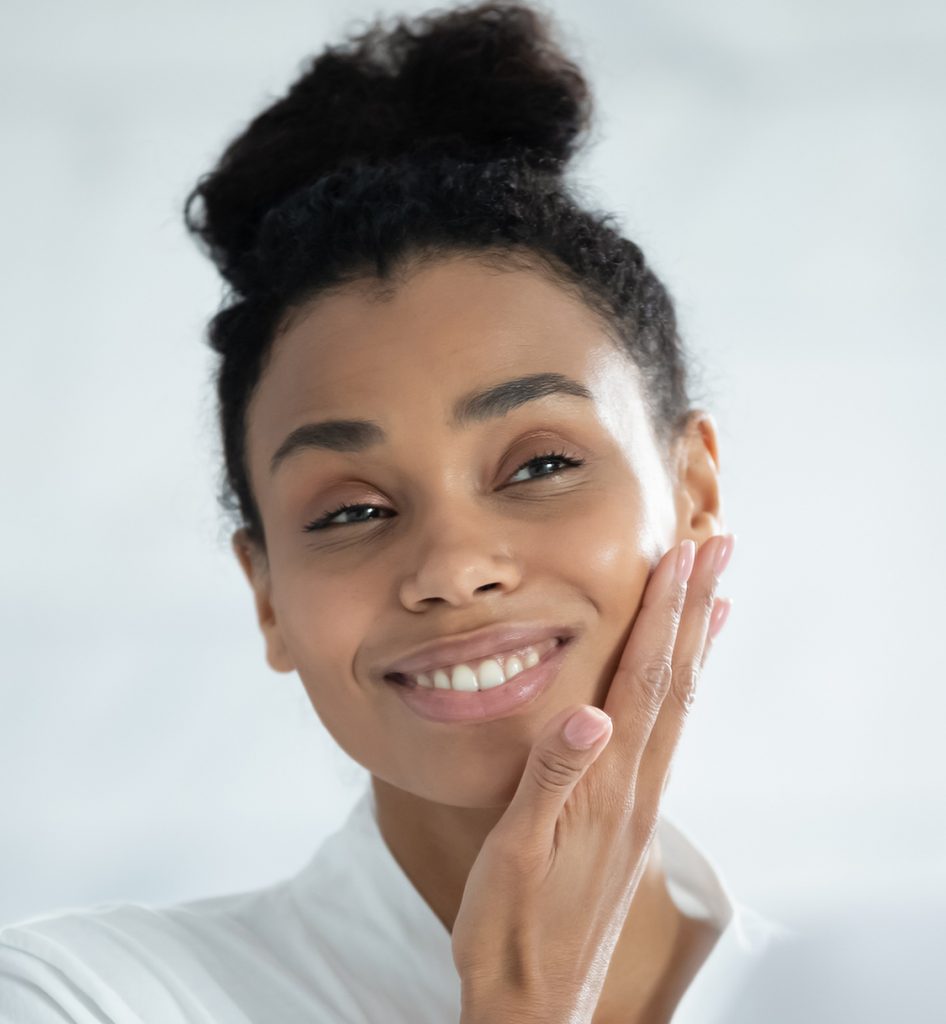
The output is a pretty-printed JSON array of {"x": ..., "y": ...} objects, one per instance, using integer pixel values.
[
  {"x": 464, "y": 678},
  {"x": 486, "y": 674},
  {"x": 514, "y": 666},
  {"x": 489, "y": 674}
]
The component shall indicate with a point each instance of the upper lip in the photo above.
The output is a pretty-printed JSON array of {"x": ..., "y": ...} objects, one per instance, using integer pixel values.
[{"x": 480, "y": 644}]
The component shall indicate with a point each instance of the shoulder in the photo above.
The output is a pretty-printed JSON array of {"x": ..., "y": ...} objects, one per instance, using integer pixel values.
[
  {"x": 112, "y": 963},
  {"x": 45, "y": 976}
]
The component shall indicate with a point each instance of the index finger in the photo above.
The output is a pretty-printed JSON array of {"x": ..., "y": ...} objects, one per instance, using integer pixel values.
[{"x": 644, "y": 673}]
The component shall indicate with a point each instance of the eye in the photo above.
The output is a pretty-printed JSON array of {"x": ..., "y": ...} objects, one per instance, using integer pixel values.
[
  {"x": 549, "y": 458},
  {"x": 325, "y": 522},
  {"x": 546, "y": 459}
]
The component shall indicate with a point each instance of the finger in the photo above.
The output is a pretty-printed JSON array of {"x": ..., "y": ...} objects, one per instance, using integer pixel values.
[
  {"x": 721, "y": 610},
  {"x": 566, "y": 748},
  {"x": 687, "y": 663},
  {"x": 718, "y": 617},
  {"x": 643, "y": 676}
]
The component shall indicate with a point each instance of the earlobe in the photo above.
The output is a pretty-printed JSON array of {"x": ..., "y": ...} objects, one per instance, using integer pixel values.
[
  {"x": 698, "y": 498},
  {"x": 256, "y": 569}
]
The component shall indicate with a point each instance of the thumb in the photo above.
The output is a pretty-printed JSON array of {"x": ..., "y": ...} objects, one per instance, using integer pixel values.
[{"x": 561, "y": 755}]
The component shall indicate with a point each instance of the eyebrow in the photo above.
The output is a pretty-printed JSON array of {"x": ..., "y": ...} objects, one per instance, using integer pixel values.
[{"x": 494, "y": 401}]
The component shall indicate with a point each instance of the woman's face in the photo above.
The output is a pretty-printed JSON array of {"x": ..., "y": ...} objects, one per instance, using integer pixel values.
[{"x": 462, "y": 532}]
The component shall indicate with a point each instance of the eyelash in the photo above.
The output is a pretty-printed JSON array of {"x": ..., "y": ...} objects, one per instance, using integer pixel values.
[{"x": 323, "y": 522}]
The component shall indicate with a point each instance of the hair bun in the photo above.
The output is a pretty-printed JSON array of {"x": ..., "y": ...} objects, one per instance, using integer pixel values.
[{"x": 476, "y": 82}]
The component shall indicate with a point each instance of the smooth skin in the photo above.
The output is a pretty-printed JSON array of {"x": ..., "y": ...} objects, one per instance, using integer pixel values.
[{"x": 459, "y": 528}]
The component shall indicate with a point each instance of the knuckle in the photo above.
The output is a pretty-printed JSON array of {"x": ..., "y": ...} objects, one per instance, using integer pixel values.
[
  {"x": 685, "y": 680},
  {"x": 655, "y": 677},
  {"x": 553, "y": 772},
  {"x": 678, "y": 598}
]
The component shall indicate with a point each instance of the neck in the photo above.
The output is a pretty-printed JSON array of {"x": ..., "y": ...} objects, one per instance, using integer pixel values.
[{"x": 436, "y": 845}]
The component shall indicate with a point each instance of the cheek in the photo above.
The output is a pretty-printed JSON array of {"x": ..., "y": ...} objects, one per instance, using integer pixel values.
[
  {"x": 325, "y": 616},
  {"x": 606, "y": 556},
  {"x": 323, "y": 624},
  {"x": 606, "y": 546}
]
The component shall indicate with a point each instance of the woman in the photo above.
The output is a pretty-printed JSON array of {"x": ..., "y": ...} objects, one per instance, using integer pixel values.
[{"x": 482, "y": 522}]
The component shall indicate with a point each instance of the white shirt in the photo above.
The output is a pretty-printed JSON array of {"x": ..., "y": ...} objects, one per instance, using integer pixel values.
[{"x": 347, "y": 940}]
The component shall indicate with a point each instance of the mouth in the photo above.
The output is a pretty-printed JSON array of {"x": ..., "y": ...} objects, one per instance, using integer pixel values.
[
  {"x": 490, "y": 644},
  {"x": 485, "y": 673},
  {"x": 513, "y": 680}
]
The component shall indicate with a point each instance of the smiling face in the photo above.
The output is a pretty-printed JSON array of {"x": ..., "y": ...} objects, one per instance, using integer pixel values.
[{"x": 468, "y": 515}]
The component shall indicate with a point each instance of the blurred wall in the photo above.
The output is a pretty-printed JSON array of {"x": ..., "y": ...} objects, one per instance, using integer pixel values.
[{"x": 782, "y": 166}]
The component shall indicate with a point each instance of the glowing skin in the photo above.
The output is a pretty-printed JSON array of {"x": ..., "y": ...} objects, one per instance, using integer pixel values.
[{"x": 462, "y": 547}]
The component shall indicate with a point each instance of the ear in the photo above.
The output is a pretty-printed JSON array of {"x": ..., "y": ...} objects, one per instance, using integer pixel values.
[
  {"x": 697, "y": 496},
  {"x": 255, "y": 566}
]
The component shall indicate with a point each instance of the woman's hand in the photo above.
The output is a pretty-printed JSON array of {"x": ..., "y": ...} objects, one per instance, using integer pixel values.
[{"x": 548, "y": 894}]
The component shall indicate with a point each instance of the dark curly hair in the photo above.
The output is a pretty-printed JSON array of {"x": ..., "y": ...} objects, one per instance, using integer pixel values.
[{"x": 448, "y": 134}]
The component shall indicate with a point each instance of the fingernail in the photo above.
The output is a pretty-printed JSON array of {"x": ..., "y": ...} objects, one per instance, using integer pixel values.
[
  {"x": 724, "y": 553},
  {"x": 585, "y": 727},
  {"x": 719, "y": 616},
  {"x": 685, "y": 559}
]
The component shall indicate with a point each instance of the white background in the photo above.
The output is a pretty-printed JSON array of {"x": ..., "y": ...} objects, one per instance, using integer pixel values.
[{"x": 781, "y": 164}]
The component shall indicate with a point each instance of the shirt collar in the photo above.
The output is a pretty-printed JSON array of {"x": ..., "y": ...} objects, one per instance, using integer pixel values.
[
  {"x": 697, "y": 886},
  {"x": 398, "y": 912}
]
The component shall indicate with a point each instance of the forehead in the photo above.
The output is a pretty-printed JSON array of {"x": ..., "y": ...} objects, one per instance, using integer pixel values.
[{"x": 449, "y": 327}]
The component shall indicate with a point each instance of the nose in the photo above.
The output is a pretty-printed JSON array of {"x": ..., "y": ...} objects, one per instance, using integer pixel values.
[{"x": 455, "y": 569}]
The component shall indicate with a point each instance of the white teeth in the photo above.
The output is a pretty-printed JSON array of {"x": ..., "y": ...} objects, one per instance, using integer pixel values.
[
  {"x": 464, "y": 678},
  {"x": 487, "y": 674},
  {"x": 513, "y": 666}
]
